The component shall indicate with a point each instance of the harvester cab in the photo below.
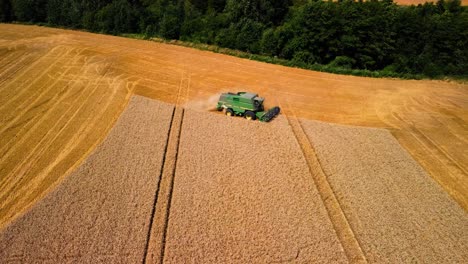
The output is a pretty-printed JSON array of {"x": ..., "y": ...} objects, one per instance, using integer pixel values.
[{"x": 248, "y": 105}]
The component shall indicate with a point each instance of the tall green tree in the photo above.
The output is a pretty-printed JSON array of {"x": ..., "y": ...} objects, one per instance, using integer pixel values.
[
  {"x": 30, "y": 10},
  {"x": 6, "y": 14},
  {"x": 117, "y": 17},
  {"x": 376, "y": 35}
]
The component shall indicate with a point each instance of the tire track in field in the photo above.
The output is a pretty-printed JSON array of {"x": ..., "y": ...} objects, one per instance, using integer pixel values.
[
  {"x": 28, "y": 161},
  {"x": 23, "y": 127},
  {"x": 48, "y": 99},
  {"x": 47, "y": 55},
  {"x": 31, "y": 80},
  {"x": 8, "y": 126},
  {"x": 4, "y": 50},
  {"x": 24, "y": 63},
  {"x": 159, "y": 221},
  {"x": 5, "y": 62},
  {"x": 18, "y": 57},
  {"x": 336, "y": 214},
  {"x": 86, "y": 129},
  {"x": 34, "y": 154},
  {"x": 44, "y": 115},
  {"x": 26, "y": 105},
  {"x": 149, "y": 237},
  {"x": 417, "y": 142},
  {"x": 399, "y": 214},
  {"x": 79, "y": 136}
]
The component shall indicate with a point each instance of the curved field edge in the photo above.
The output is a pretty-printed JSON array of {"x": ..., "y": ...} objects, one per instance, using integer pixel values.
[
  {"x": 399, "y": 214},
  {"x": 101, "y": 211}
]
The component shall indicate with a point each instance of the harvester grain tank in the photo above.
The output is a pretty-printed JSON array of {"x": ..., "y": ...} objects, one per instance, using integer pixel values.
[{"x": 248, "y": 105}]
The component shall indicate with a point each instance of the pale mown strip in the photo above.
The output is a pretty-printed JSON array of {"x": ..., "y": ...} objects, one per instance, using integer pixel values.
[
  {"x": 398, "y": 213},
  {"x": 100, "y": 212},
  {"x": 243, "y": 194}
]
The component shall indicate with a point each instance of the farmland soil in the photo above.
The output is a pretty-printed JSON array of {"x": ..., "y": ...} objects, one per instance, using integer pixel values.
[
  {"x": 101, "y": 212},
  {"x": 243, "y": 193},
  {"x": 399, "y": 214}
]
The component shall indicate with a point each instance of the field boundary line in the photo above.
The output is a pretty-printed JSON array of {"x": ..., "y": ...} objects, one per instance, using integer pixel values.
[{"x": 343, "y": 230}]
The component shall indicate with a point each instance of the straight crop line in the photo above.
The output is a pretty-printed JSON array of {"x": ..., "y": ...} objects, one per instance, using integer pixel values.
[
  {"x": 340, "y": 223},
  {"x": 171, "y": 189},
  {"x": 155, "y": 201}
]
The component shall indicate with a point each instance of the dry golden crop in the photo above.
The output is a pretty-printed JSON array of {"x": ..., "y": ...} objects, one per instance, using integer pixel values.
[
  {"x": 236, "y": 182},
  {"x": 243, "y": 193},
  {"x": 61, "y": 91},
  {"x": 398, "y": 213},
  {"x": 101, "y": 211}
]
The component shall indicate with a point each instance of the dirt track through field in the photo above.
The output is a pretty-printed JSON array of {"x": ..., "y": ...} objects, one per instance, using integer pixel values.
[
  {"x": 101, "y": 212},
  {"x": 234, "y": 200},
  {"x": 397, "y": 212}
]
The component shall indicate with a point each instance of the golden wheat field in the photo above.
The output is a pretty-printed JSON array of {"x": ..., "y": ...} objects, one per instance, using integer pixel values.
[
  {"x": 100, "y": 212},
  {"x": 353, "y": 170}
]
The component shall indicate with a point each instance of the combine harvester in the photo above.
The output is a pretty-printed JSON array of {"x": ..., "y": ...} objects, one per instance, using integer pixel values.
[{"x": 245, "y": 104}]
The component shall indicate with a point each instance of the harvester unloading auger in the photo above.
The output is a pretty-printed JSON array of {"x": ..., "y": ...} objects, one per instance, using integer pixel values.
[{"x": 245, "y": 104}]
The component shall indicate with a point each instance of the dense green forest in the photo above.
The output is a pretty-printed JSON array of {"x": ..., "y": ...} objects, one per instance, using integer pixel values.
[{"x": 429, "y": 39}]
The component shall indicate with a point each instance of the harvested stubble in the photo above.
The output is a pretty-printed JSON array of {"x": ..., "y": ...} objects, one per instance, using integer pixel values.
[
  {"x": 101, "y": 211},
  {"x": 243, "y": 193},
  {"x": 398, "y": 212}
]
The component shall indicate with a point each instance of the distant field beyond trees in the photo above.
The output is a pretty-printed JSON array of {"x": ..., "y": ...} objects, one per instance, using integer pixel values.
[{"x": 429, "y": 39}]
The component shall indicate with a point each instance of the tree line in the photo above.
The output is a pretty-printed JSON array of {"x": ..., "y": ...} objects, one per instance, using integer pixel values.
[{"x": 376, "y": 35}]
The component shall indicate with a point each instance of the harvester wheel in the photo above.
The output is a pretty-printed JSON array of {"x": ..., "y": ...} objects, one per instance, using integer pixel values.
[
  {"x": 229, "y": 112},
  {"x": 249, "y": 115}
]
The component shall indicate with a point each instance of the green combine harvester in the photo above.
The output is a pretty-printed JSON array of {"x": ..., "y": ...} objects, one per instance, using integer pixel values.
[{"x": 245, "y": 104}]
